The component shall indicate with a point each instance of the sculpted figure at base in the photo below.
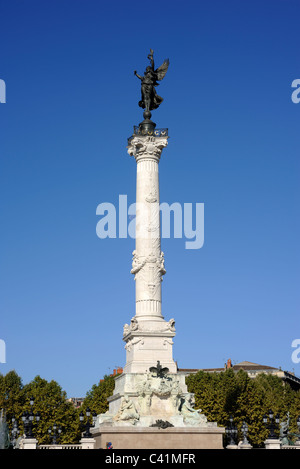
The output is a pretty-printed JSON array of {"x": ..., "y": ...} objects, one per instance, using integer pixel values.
[
  {"x": 176, "y": 395},
  {"x": 144, "y": 401},
  {"x": 127, "y": 411},
  {"x": 286, "y": 437},
  {"x": 190, "y": 415}
]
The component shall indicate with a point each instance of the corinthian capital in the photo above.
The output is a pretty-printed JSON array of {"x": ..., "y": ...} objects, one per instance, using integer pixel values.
[{"x": 146, "y": 146}]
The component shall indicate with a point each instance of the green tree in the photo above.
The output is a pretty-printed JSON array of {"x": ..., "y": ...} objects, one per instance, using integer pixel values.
[
  {"x": 54, "y": 408},
  {"x": 11, "y": 395},
  {"x": 96, "y": 398},
  {"x": 220, "y": 395}
]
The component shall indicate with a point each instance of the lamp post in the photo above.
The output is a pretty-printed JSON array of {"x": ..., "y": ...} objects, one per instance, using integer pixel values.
[
  {"x": 28, "y": 419},
  {"x": 56, "y": 432},
  {"x": 245, "y": 433},
  {"x": 271, "y": 426},
  {"x": 231, "y": 432},
  {"x": 14, "y": 432},
  {"x": 88, "y": 425},
  {"x": 297, "y": 442}
]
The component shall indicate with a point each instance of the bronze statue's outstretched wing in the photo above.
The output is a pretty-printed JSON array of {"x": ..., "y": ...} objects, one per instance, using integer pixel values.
[
  {"x": 159, "y": 370},
  {"x": 162, "y": 70}
]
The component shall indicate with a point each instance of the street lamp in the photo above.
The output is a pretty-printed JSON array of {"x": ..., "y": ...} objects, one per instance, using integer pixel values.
[
  {"x": 54, "y": 436},
  {"x": 28, "y": 419},
  {"x": 231, "y": 431},
  {"x": 88, "y": 425},
  {"x": 245, "y": 433},
  {"x": 14, "y": 432},
  {"x": 298, "y": 423},
  {"x": 271, "y": 426}
]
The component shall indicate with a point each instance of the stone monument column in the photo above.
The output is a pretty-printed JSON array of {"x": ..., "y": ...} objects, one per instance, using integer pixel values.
[
  {"x": 151, "y": 406},
  {"x": 149, "y": 337},
  {"x": 148, "y": 259}
]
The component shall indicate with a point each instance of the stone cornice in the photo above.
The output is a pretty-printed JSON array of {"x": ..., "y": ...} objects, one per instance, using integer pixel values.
[{"x": 142, "y": 333}]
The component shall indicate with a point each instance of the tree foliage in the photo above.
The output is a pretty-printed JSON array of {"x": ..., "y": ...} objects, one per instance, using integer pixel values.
[
  {"x": 54, "y": 408},
  {"x": 49, "y": 401},
  {"x": 220, "y": 395},
  {"x": 96, "y": 398}
]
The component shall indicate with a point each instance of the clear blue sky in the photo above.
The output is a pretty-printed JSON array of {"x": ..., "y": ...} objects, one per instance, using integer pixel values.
[{"x": 72, "y": 101}]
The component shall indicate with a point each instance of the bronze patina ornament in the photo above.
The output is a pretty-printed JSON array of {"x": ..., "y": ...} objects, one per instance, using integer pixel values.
[
  {"x": 162, "y": 424},
  {"x": 150, "y": 99},
  {"x": 159, "y": 370}
]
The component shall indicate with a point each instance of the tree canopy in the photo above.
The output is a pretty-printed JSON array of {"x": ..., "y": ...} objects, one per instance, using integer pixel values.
[
  {"x": 219, "y": 395},
  {"x": 50, "y": 401}
]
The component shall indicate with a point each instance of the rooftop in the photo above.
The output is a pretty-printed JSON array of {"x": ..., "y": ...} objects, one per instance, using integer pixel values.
[{"x": 252, "y": 369}]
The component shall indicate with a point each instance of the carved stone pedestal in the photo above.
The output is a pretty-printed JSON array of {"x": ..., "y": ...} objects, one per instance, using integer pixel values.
[
  {"x": 141, "y": 399},
  {"x": 272, "y": 443},
  {"x": 28, "y": 443},
  {"x": 144, "y": 405},
  {"x": 156, "y": 438}
]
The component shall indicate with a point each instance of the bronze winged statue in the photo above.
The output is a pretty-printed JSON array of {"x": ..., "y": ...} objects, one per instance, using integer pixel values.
[
  {"x": 150, "y": 99},
  {"x": 159, "y": 370}
]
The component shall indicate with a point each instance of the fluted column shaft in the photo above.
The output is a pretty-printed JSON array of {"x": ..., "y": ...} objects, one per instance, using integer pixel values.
[
  {"x": 148, "y": 259},
  {"x": 148, "y": 337}
]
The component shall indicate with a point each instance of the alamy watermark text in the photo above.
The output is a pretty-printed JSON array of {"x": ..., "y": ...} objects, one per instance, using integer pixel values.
[{"x": 177, "y": 220}]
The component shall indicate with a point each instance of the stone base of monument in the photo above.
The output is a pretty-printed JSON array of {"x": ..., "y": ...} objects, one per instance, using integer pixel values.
[
  {"x": 132, "y": 437},
  {"x": 154, "y": 410}
]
